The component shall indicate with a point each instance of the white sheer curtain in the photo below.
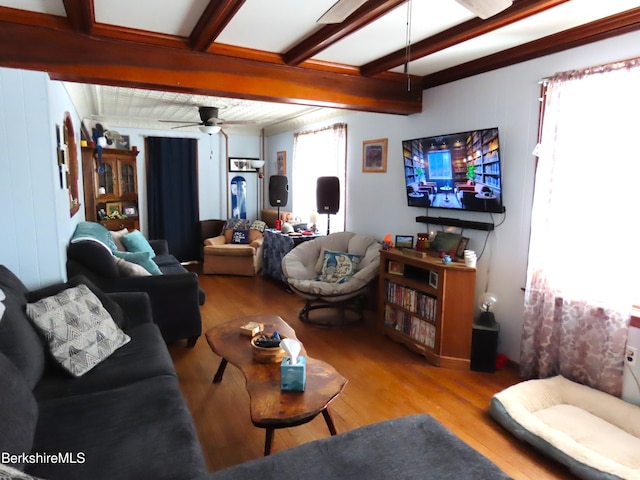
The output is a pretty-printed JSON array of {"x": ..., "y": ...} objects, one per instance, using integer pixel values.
[
  {"x": 582, "y": 274},
  {"x": 319, "y": 153}
]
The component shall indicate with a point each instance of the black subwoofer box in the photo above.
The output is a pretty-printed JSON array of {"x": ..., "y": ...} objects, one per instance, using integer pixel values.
[{"x": 484, "y": 347}]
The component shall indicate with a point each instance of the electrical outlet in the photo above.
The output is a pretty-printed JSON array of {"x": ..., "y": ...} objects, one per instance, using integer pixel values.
[{"x": 631, "y": 356}]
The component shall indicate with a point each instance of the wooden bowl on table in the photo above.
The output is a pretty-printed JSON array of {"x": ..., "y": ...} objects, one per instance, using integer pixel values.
[{"x": 266, "y": 355}]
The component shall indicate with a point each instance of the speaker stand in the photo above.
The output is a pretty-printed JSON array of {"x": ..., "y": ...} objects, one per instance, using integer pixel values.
[{"x": 328, "y": 223}]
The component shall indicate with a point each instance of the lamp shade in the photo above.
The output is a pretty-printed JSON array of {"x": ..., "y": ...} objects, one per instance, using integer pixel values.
[
  {"x": 257, "y": 164},
  {"x": 210, "y": 129}
]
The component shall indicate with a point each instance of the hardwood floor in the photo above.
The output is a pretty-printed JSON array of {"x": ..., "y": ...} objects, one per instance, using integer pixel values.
[{"x": 386, "y": 380}]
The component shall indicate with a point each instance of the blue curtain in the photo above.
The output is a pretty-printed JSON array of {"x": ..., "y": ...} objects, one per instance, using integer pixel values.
[{"x": 172, "y": 195}]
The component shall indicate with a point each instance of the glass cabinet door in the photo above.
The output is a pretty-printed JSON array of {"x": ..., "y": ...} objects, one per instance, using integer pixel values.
[
  {"x": 106, "y": 180},
  {"x": 127, "y": 179}
]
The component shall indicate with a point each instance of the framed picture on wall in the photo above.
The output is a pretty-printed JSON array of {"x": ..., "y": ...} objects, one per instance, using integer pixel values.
[
  {"x": 374, "y": 155},
  {"x": 281, "y": 162},
  {"x": 241, "y": 164}
]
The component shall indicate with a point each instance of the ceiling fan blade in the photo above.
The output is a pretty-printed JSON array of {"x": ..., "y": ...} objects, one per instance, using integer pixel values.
[
  {"x": 485, "y": 8},
  {"x": 187, "y": 125},
  {"x": 340, "y": 10},
  {"x": 176, "y": 121}
]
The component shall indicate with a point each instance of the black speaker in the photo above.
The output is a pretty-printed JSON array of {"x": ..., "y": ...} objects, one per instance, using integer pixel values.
[
  {"x": 328, "y": 195},
  {"x": 278, "y": 190},
  {"x": 484, "y": 347}
]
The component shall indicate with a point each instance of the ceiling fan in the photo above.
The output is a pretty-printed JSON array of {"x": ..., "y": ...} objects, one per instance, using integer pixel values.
[
  {"x": 340, "y": 10},
  {"x": 210, "y": 122}
]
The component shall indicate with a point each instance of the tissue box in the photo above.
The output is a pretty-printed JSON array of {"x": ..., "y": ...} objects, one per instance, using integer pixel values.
[{"x": 293, "y": 377}]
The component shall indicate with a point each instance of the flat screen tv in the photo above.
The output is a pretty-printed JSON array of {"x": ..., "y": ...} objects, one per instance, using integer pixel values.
[{"x": 459, "y": 171}]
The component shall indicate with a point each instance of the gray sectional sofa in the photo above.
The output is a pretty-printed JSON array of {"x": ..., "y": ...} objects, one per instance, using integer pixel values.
[{"x": 126, "y": 418}]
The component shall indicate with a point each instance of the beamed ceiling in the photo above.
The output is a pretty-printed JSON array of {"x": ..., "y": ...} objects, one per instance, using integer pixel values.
[{"x": 275, "y": 51}]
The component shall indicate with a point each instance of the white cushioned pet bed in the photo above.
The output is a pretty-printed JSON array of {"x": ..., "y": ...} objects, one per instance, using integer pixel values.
[{"x": 595, "y": 434}]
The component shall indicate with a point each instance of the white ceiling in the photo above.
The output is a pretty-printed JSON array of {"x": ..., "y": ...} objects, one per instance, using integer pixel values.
[{"x": 272, "y": 27}]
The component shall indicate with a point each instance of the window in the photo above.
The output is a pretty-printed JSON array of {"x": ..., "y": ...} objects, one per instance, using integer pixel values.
[
  {"x": 581, "y": 280},
  {"x": 319, "y": 153},
  {"x": 440, "y": 165}
]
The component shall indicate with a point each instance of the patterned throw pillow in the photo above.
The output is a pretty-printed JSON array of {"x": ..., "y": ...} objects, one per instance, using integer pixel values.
[
  {"x": 7, "y": 472},
  {"x": 237, "y": 224},
  {"x": 78, "y": 329},
  {"x": 258, "y": 225},
  {"x": 338, "y": 267},
  {"x": 240, "y": 237}
]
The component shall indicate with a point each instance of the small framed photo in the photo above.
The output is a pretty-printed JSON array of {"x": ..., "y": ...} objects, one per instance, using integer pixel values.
[
  {"x": 404, "y": 241},
  {"x": 374, "y": 155},
  {"x": 462, "y": 246},
  {"x": 114, "y": 207},
  {"x": 281, "y": 162},
  {"x": 396, "y": 268},
  {"x": 433, "y": 279},
  {"x": 130, "y": 210}
]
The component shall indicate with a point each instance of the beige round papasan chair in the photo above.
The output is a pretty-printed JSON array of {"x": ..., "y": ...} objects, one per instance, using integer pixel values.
[{"x": 303, "y": 268}]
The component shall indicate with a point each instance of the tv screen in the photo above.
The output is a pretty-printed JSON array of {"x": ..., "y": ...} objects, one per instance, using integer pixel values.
[{"x": 456, "y": 171}]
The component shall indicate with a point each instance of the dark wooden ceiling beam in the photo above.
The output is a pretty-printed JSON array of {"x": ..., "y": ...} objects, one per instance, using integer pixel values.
[
  {"x": 212, "y": 21},
  {"x": 612, "y": 26},
  {"x": 66, "y": 55},
  {"x": 81, "y": 15},
  {"x": 332, "y": 33},
  {"x": 460, "y": 33}
]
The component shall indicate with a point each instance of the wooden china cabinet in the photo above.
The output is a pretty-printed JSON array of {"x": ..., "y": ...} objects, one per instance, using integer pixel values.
[{"x": 115, "y": 188}]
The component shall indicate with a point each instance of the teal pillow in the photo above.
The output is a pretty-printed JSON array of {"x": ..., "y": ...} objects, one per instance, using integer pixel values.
[
  {"x": 141, "y": 258},
  {"x": 135, "y": 242},
  {"x": 338, "y": 267}
]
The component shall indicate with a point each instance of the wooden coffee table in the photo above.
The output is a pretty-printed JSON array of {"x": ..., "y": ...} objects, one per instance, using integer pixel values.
[{"x": 270, "y": 407}]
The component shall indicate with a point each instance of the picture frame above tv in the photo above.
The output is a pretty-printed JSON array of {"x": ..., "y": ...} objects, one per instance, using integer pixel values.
[{"x": 459, "y": 171}]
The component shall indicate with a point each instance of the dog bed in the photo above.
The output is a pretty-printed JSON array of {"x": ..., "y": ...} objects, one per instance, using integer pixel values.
[{"x": 595, "y": 434}]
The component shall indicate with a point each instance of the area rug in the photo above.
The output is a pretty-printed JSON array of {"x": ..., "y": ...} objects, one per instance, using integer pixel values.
[{"x": 415, "y": 447}]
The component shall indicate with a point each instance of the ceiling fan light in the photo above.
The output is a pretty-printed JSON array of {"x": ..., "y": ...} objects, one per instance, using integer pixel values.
[
  {"x": 485, "y": 8},
  {"x": 210, "y": 129}
]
